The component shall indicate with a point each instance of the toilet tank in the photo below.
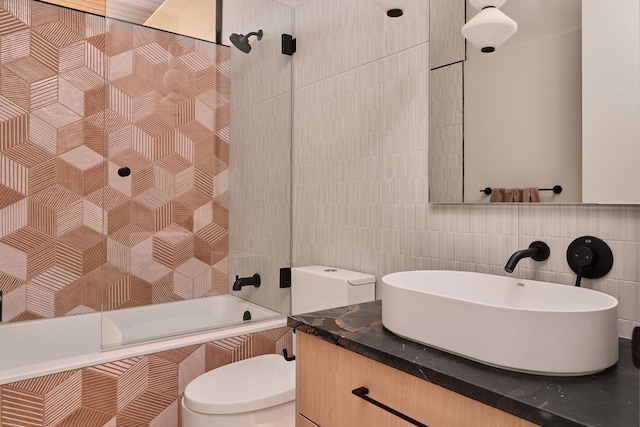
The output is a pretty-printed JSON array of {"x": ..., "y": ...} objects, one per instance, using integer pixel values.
[{"x": 317, "y": 287}]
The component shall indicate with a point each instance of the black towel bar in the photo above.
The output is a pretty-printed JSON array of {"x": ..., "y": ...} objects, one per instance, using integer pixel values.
[{"x": 557, "y": 189}]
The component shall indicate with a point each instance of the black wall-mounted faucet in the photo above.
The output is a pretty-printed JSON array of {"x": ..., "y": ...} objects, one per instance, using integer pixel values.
[
  {"x": 589, "y": 257},
  {"x": 539, "y": 251},
  {"x": 246, "y": 281}
]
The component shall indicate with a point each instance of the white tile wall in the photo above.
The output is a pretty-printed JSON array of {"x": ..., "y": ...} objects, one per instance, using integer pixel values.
[
  {"x": 360, "y": 167},
  {"x": 260, "y": 160}
]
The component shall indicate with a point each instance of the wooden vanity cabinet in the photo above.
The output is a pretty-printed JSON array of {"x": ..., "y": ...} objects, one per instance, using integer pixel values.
[{"x": 327, "y": 374}]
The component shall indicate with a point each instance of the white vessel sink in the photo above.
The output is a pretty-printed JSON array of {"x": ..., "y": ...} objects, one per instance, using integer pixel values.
[{"x": 519, "y": 325}]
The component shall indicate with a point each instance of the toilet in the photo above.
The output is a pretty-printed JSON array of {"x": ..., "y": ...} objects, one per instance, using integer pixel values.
[{"x": 260, "y": 391}]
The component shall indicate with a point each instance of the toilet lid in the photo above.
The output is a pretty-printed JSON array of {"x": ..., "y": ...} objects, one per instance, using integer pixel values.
[{"x": 244, "y": 386}]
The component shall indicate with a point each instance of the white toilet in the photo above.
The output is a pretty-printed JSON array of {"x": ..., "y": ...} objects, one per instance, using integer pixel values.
[{"x": 260, "y": 391}]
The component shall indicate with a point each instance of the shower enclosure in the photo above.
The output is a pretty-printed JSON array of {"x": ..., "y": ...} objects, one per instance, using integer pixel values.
[{"x": 124, "y": 181}]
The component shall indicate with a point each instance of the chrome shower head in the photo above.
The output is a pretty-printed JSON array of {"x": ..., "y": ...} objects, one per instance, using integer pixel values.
[{"x": 242, "y": 42}]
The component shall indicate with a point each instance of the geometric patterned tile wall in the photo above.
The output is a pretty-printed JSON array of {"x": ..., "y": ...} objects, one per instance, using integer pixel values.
[
  {"x": 139, "y": 391},
  {"x": 81, "y": 97}
]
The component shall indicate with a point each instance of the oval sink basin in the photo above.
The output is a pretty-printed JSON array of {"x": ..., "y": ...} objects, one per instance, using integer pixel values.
[{"x": 515, "y": 324}]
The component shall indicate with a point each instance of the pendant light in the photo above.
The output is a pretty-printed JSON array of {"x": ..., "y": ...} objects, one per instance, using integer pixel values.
[{"x": 490, "y": 27}]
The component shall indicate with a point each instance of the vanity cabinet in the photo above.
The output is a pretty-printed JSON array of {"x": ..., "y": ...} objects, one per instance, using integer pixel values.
[{"x": 327, "y": 374}]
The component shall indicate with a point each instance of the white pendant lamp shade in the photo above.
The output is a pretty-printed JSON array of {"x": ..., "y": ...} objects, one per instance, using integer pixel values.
[
  {"x": 489, "y": 28},
  {"x": 394, "y": 8}
]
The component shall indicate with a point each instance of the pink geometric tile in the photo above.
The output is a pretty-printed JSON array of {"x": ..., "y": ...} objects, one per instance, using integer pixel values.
[
  {"x": 57, "y": 46},
  {"x": 212, "y": 244},
  {"x": 14, "y": 296},
  {"x": 172, "y": 246},
  {"x": 193, "y": 141},
  {"x": 112, "y": 386},
  {"x": 26, "y": 253},
  {"x": 10, "y": 24},
  {"x": 13, "y": 209},
  {"x": 150, "y": 409},
  {"x": 81, "y": 170},
  {"x": 153, "y": 138},
  {"x": 131, "y": 98},
  {"x": 33, "y": 168},
  {"x": 14, "y": 124},
  {"x": 55, "y": 128},
  {"x": 129, "y": 248},
  {"x": 193, "y": 210},
  {"x": 80, "y": 251},
  {"x": 116, "y": 287},
  {"x": 173, "y": 175},
  {"x": 82, "y": 91},
  {"x": 222, "y": 352},
  {"x": 160, "y": 277},
  {"x": 208, "y": 173},
  {"x": 29, "y": 83},
  {"x": 141, "y": 178},
  {"x": 55, "y": 210},
  {"x": 149, "y": 58},
  {"x": 110, "y": 209},
  {"x": 90, "y": 290},
  {"x": 43, "y": 292},
  {"x": 192, "y": 279},
  {"x": 152, "y": 210},
  {"x": 170, "y": 371},
  {"x": 87, "y": 417},
  {"x": 50, "y": 399}
]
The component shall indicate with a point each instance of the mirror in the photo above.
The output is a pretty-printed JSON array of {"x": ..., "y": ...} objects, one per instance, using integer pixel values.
[
  {"x": 523, "y": 105},
  {"x": 514, "y": 118},
  {"x": 201, "y": 19}
]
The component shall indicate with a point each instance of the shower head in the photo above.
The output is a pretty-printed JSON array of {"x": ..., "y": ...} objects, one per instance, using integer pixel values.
[{"x": 242, "y": 42}]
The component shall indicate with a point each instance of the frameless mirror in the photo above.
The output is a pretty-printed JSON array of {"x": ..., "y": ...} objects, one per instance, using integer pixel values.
[
  {"x": 523, "y": 105},
  {"x": 201, "y": 19},
  {"x": 525, "y": 116}
]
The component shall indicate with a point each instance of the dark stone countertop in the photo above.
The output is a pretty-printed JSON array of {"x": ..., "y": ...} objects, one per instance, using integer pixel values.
[{"x": 605, "y": 399}]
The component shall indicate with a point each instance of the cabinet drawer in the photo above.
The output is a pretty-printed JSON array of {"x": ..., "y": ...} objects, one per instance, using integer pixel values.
[{"x": 327, "y": 374}]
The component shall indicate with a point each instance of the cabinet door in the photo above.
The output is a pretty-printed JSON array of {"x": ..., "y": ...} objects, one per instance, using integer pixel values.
[
  {"x": 327, "y": 374},
  {"x": 303, "y": 422}
]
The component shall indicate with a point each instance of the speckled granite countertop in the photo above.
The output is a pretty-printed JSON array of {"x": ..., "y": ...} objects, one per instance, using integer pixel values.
[{"x": 606, "y": 399}]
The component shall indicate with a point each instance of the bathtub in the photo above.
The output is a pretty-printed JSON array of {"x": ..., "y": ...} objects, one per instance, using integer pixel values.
[{"x": 43, "y": 347}]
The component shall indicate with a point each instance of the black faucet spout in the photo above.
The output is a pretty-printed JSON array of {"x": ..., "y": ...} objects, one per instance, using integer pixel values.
[
  {"x": 538, "y": 251},
  {"x": 246, "y": 281}
]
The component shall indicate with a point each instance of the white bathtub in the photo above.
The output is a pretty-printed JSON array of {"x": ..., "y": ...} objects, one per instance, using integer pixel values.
[{"x": 43, "y": 347}]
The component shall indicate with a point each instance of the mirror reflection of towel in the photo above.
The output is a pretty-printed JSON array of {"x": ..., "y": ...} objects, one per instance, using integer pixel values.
[{"x": 515, "y": 195}]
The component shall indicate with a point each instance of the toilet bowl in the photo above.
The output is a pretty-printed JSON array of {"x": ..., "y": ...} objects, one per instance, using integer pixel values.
[{"x": 260, "y": 391}]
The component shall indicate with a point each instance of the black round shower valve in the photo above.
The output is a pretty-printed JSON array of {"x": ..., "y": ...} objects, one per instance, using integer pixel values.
[
  {"x": 590, "y": 257},
  {"x": 124, "y": 171}
]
